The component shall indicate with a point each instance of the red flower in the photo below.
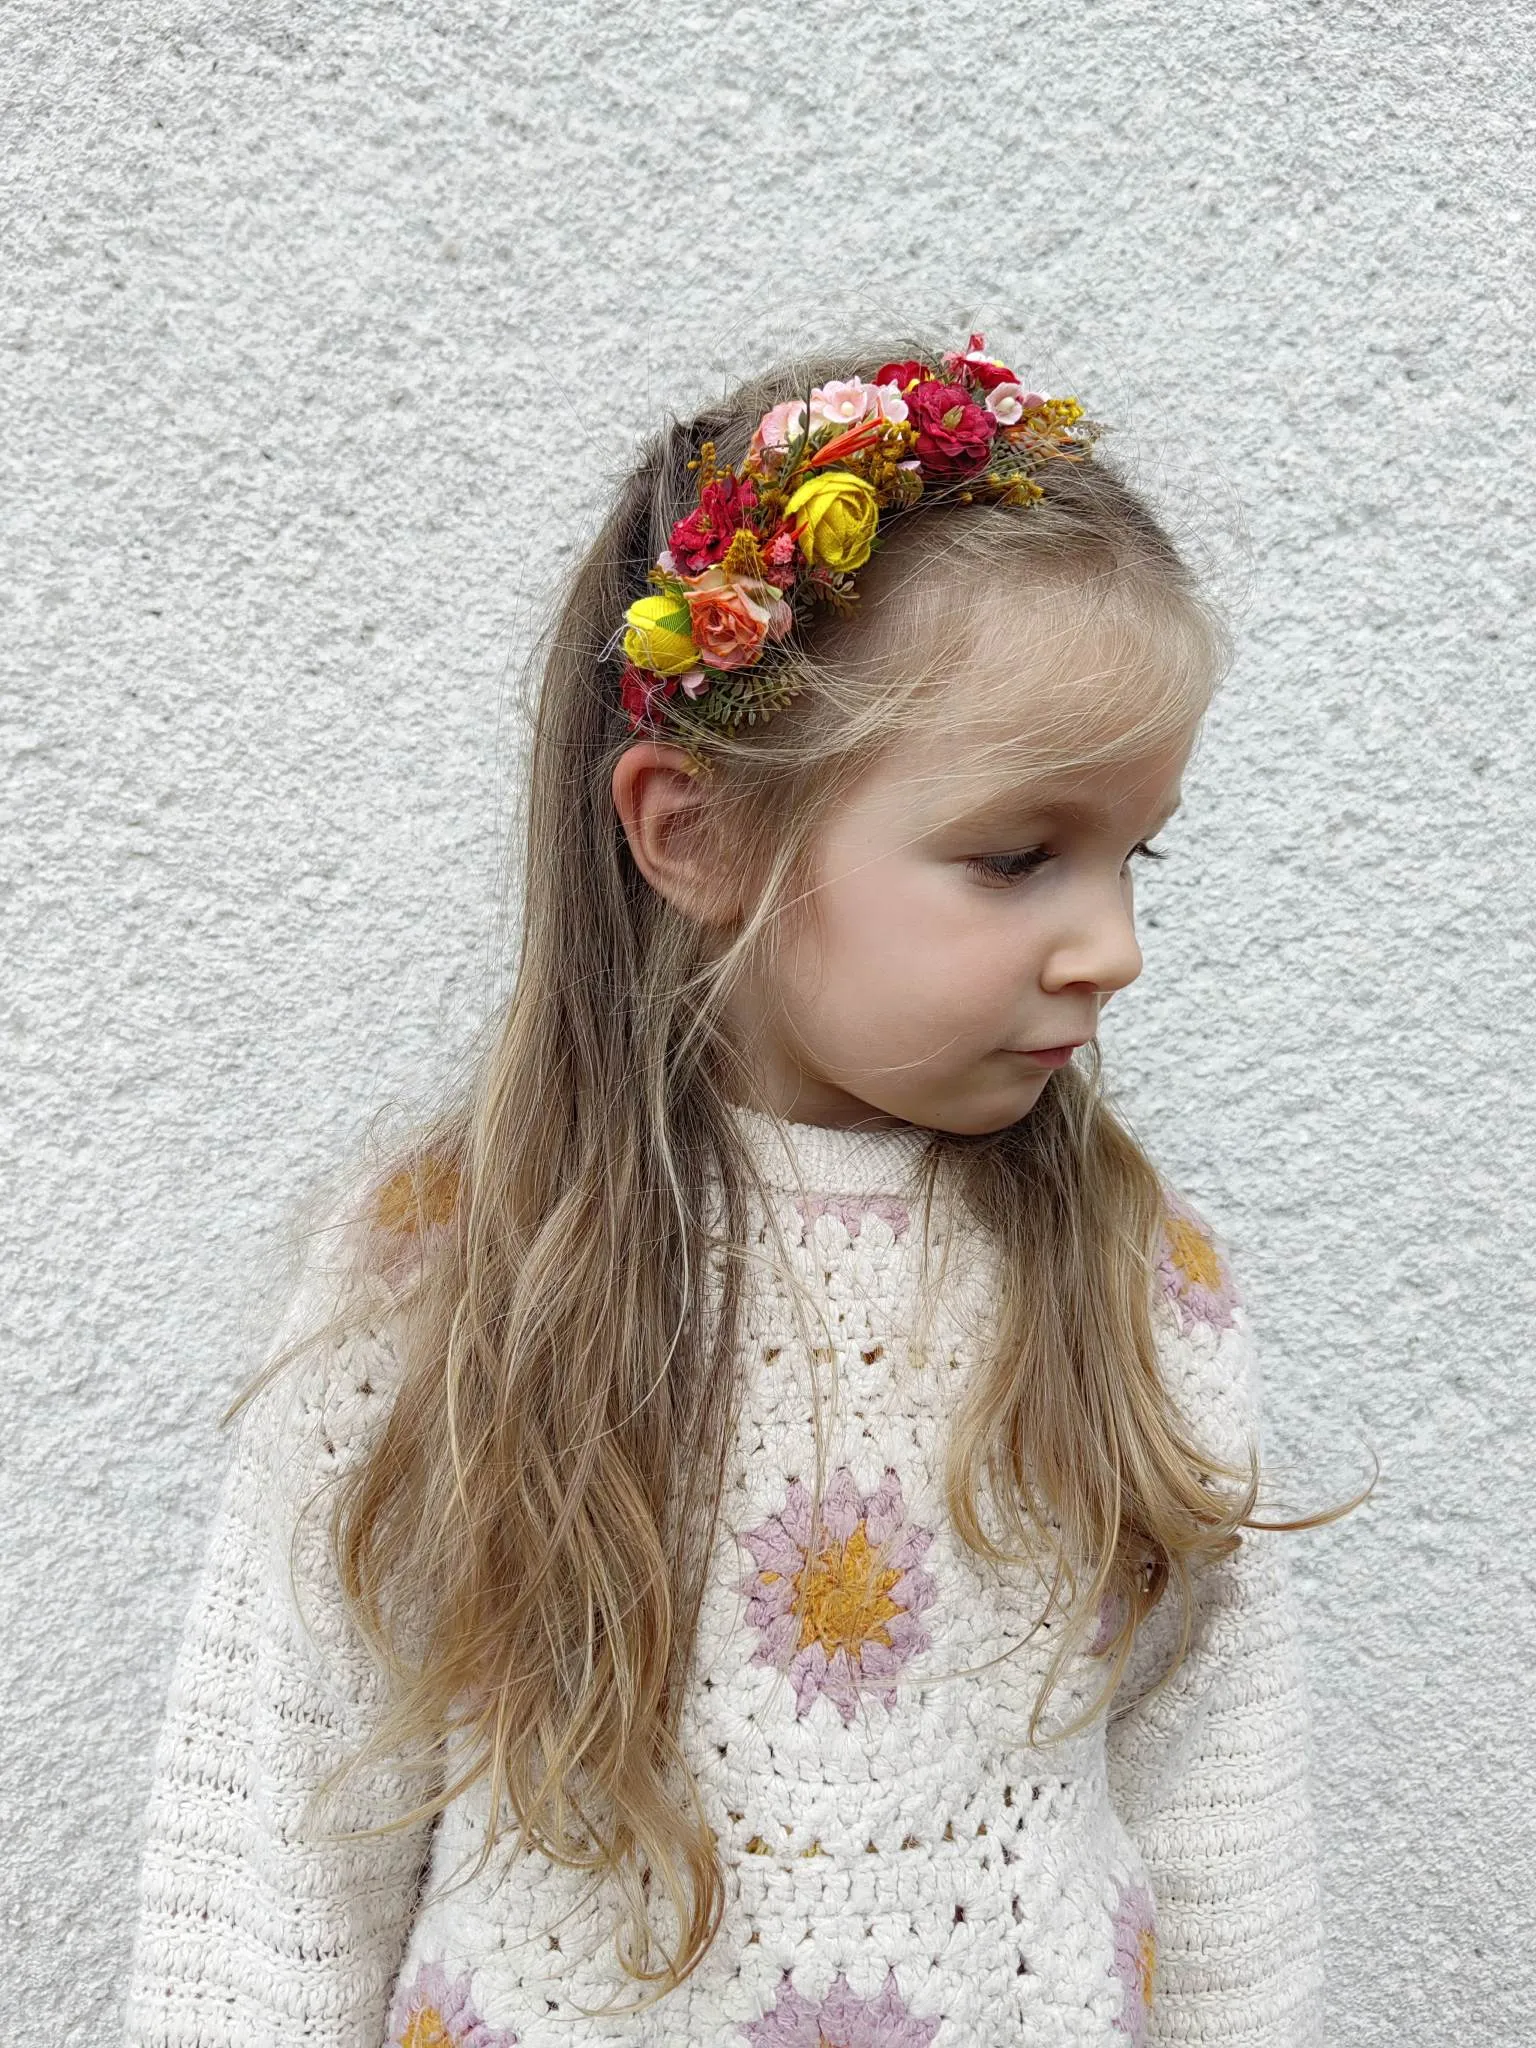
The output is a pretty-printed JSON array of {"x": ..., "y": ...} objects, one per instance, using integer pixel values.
[
  {"x": 903, "y": 374},
  {"x": 641, "y": 693},
  {"x": 979, "y": 367},
  {"x": 954, "y": 433},
  {"x": 701, "y": 539}
]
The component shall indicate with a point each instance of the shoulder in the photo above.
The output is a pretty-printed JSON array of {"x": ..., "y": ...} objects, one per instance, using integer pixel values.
[
  {"x": 1201, "y": 1326},
  {"x": 337, "y": 1354}
]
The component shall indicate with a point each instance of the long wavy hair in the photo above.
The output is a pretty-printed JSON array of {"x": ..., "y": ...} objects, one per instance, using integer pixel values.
[{"x": 525, "y": 1541}]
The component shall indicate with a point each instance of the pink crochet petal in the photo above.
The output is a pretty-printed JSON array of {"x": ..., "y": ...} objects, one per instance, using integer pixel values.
[
  {"x": 779, "y": 1638},
  {"x": 842, "y": 2019},
  {"x": 774, "y": 1548},
  {"x": 793, "y": 2023},
  {"x": 840, "y": 1685},
  {"x": 841, "y": 1505},
  {"x": 907, "y": 1635},
  {"x": 808, "y": 1674},
  {"x": 884, "y": 1509},
  {"x": 774, "y": 1596},
  {"x": 890, "y": 1211},
  {"x": 795, "y": 1515},
  {"x": 1111, "y": 1615},
  {"x": 912, "y": 1545},
  {"x": 882, "y": 1660},
  {"x": 914, "y": 1591}
]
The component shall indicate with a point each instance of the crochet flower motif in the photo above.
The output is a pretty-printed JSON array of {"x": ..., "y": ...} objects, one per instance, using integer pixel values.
[
  {"x": 1135, "y": 1961},
  {"x": 842, "y": 2020},
  {"x": 436, "y": 2014},
  {"x": 1193, "y": 1275},
  {"x": 838, "y": 1611}
]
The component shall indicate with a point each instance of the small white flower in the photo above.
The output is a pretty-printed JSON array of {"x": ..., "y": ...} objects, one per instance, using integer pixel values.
[
  {"x": 892, "y": 405},
  {"x": 843, "y": 404},
  {"x": 1006, "y": 402}
]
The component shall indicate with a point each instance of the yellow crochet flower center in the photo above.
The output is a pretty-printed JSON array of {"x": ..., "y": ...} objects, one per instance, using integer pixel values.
[
  {"x": 419, "y": 1198},
  {"x": 1193, "y": 1254},
  {"x": 847, "y": 1596},
  {"x": 1146, "y": 1964},
  {"x": 426, "y": 2028}
]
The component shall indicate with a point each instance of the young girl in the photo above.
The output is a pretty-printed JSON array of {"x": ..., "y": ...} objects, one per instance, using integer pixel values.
[{"x": 752, "y": 1539}]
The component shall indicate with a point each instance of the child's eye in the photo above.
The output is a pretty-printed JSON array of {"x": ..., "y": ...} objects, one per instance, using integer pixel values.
[
  {"x": 1014, "y": 867},
  {"x": 1008, "y": 867},
  {"x": 1144, "y": 850}
]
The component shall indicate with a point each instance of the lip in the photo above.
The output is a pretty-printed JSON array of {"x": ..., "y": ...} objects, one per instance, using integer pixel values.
[{"x": 1048, "y": 1055}]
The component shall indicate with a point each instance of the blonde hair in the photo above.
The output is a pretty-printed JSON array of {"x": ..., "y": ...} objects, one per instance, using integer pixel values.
[{"x": 526, "y": 1540}]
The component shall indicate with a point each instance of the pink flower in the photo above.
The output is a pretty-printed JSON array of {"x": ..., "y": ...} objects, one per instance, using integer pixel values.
[
  {"x": 730, "y": 621},
  {"x": 777, "y": 428},
  {"x": 702, "y": 537},
  {"x": 1009, "y": 403},
  {"x": 837, "y": 1610},
  {"x": 892, "y": 405},
  {"x": 954, "y": 433},
  {"x": 781, "y": 555},
  {"x": 842, "y": 2019},
  {"x": 845, "y": 404}
]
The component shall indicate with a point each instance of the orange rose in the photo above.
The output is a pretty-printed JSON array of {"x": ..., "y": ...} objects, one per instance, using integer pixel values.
[{"x": 730, "y": 621}]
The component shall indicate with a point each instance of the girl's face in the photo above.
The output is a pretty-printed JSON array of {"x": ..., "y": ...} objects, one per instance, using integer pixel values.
[{"x": 964, "y": 929}]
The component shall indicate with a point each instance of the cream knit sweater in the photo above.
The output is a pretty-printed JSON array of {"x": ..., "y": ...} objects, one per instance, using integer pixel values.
[{"x": 903, "y": 1868}]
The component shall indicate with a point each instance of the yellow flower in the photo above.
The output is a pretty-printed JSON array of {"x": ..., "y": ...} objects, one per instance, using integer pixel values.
[
  {"x": 836, "y": 514},
  {"x": 658, "y": 636}
]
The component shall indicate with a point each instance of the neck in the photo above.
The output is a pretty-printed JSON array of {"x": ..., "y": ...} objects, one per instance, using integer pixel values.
[{"x": 879, "y": 1158}]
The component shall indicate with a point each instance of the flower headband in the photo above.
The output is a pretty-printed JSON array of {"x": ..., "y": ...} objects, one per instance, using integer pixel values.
[{"x": 785, "y": 530}]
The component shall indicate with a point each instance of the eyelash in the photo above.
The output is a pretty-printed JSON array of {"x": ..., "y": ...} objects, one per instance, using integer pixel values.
[{"x": 1036, "y": 857}]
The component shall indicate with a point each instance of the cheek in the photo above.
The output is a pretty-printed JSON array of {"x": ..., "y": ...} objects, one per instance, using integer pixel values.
[{"x": 908, "y": 943}]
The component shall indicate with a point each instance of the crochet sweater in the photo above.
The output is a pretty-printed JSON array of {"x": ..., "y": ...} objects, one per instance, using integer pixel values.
[{"x": 903, "y": 1867}]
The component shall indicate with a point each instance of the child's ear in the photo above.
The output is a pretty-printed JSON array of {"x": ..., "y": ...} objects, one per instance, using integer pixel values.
[{"x": 664, "y": 808}]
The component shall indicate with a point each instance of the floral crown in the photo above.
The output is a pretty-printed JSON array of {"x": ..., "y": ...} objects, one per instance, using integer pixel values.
[{"x": 785, "y": 530}]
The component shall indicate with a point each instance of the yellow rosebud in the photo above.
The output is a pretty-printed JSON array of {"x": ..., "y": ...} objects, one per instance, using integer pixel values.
[
  {"x": 658, "y": 638},
  {"x": 836, "y": 514}
]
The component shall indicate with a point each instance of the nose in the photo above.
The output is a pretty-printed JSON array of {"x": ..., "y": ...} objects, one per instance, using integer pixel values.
[{"x": 1096, "y": 947}]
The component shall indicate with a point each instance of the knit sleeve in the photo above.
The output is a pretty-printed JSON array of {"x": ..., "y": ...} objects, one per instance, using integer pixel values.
[
  {"x": 1210, "y": 1774},
  {"x": 258, "y": 1926}
]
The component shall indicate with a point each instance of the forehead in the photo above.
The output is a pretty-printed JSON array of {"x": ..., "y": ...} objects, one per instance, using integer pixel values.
[{"x": 1095, "y": 727}]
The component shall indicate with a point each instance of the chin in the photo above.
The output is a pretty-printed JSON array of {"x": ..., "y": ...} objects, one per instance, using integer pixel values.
[{"x": 980, "y": 1120}]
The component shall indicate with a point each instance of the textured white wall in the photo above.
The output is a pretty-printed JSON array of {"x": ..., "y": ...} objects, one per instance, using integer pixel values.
[{"x": 323, "y": 327}]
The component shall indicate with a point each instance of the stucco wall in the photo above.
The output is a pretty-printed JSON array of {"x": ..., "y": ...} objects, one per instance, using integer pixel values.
[{"x": 323, "y": 328}]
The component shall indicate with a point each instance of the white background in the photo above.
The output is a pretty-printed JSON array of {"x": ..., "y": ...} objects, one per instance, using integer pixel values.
[{"x": 325, "y": 328}]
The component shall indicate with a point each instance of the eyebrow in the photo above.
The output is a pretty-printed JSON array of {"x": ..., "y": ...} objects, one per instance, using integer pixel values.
[{"x": 1007, "y": 808}]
